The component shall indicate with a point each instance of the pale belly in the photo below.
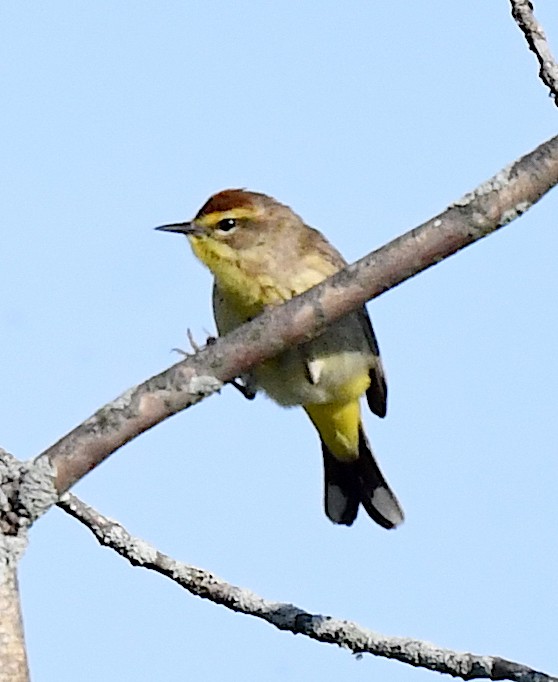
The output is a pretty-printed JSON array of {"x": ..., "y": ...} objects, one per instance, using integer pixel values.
[
  {"x": 319, "y": 372},
  {"x": 334, "y": 368}
]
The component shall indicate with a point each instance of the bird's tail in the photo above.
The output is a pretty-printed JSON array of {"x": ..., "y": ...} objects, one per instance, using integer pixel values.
[{"x": 350, "y": 483}]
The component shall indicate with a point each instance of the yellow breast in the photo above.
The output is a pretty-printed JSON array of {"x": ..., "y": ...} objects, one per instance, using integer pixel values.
[{"x": 246, "y": 289}]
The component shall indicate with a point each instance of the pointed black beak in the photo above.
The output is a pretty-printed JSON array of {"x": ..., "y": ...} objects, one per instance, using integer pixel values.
[{"x": 181, "y": 228}]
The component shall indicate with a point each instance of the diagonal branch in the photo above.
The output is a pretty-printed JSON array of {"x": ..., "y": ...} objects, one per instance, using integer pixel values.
[
  {"x": 288, "y": 617},
  {"x": 492, "y": 205},
  {"x": 522, "y": 12}
]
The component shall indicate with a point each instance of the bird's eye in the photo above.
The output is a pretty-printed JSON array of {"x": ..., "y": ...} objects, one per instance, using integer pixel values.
[{"x": 226, "y": 225}]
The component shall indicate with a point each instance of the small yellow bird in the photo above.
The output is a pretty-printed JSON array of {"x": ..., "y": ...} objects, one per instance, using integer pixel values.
[{"x": 262, "y": 254}]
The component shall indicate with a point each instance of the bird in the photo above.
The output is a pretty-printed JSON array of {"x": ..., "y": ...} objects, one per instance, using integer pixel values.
[{"x": 261, "y": 254}]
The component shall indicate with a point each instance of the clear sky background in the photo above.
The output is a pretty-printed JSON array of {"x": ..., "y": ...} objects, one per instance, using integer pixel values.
[{"x": 367, "y": 118}]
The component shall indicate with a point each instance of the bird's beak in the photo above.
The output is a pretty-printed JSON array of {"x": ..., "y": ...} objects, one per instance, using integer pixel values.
[{"x": 181, "y": 228}]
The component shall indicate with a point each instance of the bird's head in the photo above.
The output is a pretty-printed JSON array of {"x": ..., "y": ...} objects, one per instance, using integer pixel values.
[{"x": 233, "y": 222}]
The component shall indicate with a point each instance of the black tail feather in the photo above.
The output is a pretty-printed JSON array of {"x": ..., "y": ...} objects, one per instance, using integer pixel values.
[
  {"x": 341, "y": 489},
  {"x": 348, "y": 484}
]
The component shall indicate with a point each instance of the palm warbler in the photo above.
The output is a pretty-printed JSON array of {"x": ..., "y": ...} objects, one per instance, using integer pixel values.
[{"x": 262, "y": 254}]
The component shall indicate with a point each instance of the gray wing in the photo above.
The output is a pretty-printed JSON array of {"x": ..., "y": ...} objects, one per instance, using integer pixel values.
[{"x": 377, "y": 392}]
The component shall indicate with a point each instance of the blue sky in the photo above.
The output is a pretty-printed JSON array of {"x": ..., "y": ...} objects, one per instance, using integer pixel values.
[{"x": 367, "y": 118}]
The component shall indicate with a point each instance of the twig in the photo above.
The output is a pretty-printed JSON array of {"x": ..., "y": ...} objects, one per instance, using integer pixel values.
[
  {"x": 288, "y": 617},
  {"x": 522, "y": 12}
]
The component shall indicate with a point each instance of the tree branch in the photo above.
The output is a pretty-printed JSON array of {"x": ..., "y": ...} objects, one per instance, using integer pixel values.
[
  {"x": 13, "y": 541},
  {"x": 13, "y": 658},
  {"x": 493, "y": 204},
  {"x": 522, "y": 12},
  {"x": 288, "y": 617}
]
